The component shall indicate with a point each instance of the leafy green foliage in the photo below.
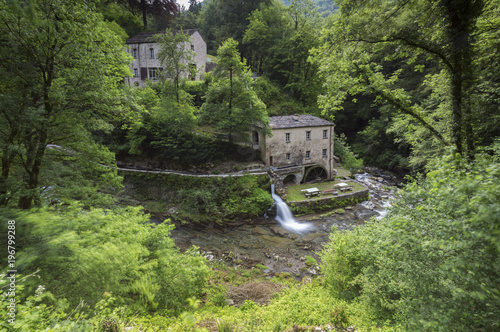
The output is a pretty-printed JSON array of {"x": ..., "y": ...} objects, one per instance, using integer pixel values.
[
  {"x": 224, "y": 19},
  {"x": 49, "y": 95},
  {"x": 365, "y": 38},
  {"x": 347, "y": 158},
  {"x": 82, "y": 254},
  {"x": 230, "y": 102},
  {"x": 280, "y": 38},
  {"x": 431, "y": 264},
  {"x": 176, "y": 57},
  {"x": 202, "y": 198}
]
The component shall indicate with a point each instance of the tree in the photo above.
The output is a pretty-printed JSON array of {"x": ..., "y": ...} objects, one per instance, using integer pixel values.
[
  {"x": 231, "y": 102},
  {"x": 187, "y": 18},
  {"x": 164, "y": 9},
  {"x": 440, "y": 31},
  {"x": 61, "y": 75},
  {"x": 176, "y": 57},
  {"x": 278, "y": 40},
  {"x": 432, "y": 263},
  {"x": 223, "y": 19}
]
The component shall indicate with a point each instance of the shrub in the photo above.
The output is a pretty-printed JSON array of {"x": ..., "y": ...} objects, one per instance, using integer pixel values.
[
  {"x": 348, "y": 159},
  {"x": 81, "y": 254},
  {"x": 432, "y": 264}
]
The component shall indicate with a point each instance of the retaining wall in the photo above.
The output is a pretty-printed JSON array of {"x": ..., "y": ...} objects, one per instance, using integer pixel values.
[{"x": 329, "y": 202}]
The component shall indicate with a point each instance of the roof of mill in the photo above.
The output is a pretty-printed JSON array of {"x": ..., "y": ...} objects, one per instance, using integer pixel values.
[
  {"x": 297, "y": 121},
  {"x": 147, "y": 37}
]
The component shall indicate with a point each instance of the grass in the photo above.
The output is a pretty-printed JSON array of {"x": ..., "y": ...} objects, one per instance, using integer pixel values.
[
  {"x": 342, "y": 172},
  {"x": 295, "y": 194}
]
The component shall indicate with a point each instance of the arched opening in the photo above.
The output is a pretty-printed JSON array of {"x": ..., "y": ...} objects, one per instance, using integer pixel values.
[
  {"x": 255, "y": 137},
  {"x": 315, "y": 173},
  {"x": 289, "y": 180}
]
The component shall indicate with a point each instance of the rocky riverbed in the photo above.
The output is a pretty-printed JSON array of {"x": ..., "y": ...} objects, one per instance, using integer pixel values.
[{"x": 266, "y": 242}]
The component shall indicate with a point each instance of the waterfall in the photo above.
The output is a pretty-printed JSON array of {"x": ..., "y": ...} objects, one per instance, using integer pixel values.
[{"x": 285, "y": 217}]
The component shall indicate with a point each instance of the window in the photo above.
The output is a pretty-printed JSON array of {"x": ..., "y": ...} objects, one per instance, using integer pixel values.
[
  {"x": 308, "y": 154},
  {"x": 288, "y": 157},
  {"x": 324, "y": 153},
  {"x": 136, "y": 72},
  {"x": 192, "y": 47},
  {"x": 134, "y": 53},
  {"x": 153, "y": 73},
  {"x": 325, "y": 133},
  {"x": 287, "y": 137},
  {"x": 152, "y": 53},
  {"x": 308, "y": 135}
]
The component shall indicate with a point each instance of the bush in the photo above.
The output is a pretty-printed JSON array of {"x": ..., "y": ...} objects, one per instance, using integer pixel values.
[
  {"x": 348, "y": 159},
  {"x": 432, "y": 264},
  {"x": 81, "y": 254}
]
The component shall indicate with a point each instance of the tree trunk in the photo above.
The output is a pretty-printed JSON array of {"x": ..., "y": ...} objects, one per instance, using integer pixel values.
[
  {"x": 6, "y": 162},
  {"x": 33, "y": 167},
  {"x": 7, "y": 159},
  {"x": 36, "y": 145},
  {"x": 461, "y": 15},
  {"x": 144, "y": 17}
]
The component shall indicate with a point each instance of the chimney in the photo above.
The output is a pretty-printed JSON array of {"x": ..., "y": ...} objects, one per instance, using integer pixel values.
[{"x": 296, "y": 117}]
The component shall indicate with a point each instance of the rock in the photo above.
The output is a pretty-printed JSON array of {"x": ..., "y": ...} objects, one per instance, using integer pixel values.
[
  {"x": 278, "y": 241},
  {"x": 306, "y": 280},
  {"x": 312, "y": 237},
  {"x": 366, "y": 214},
  {"x": 279, "y": 231},
  {"x": 260, "y": 231},
  {"x": 244, "y": 245}
]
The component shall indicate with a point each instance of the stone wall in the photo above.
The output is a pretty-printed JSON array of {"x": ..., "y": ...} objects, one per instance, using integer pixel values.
[
  {"x": 277, "y": 147},
  {"x": 144, "y": 59},
  {"x": 329, "y": 202}
]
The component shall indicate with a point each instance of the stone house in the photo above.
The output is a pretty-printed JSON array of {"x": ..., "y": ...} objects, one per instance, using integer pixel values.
[
  {"x": 146, "y": 64},
  {"x": 301, "y": 147}
]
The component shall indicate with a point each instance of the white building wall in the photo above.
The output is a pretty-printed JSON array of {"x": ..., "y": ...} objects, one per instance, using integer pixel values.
[
  {"x": 144, "y": 60},
  {"x": 274, "y": 149}
]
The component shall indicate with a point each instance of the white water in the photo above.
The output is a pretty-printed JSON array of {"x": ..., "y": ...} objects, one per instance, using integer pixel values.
[
  {"x": 285, "y": 217},
  {"x": 381, "y": 193}
]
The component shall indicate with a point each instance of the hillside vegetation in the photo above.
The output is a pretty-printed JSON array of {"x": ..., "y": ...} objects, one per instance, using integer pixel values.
[{"x": 412, "y": 85}]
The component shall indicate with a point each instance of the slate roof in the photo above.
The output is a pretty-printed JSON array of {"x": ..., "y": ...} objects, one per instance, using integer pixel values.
[
  {"x": 297, "y": 121},
  {"x": 147, "y": 37}
]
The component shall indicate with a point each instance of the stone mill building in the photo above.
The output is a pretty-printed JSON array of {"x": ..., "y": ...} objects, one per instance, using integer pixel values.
[{"x": 300, "y": 149}]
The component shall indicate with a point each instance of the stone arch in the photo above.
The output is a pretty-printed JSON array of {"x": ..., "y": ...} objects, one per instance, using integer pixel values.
[
  {"x": 314, "y": 172},
  {"x": 289, "y": 179}
]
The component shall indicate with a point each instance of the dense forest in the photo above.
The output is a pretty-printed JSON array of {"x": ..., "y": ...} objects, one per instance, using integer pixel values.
[{"x": 413, "y": 87}]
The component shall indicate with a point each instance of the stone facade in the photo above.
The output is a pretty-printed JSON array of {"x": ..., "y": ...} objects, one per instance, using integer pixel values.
[
  {"x": 297, "y": 140},
  {"x": 146, "y": 64}
]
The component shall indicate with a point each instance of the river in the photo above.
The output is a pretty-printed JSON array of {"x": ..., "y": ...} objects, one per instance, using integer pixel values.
[{"x": 264, "y": 241}]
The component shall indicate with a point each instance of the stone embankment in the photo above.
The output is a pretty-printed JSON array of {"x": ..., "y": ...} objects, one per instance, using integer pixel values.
[
  {"x": 224, "y": 175},
  {"x": 330, "y": 201}
]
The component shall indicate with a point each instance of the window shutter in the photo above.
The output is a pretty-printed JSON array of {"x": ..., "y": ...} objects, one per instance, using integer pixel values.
[{"x": 144, "y": 73}]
